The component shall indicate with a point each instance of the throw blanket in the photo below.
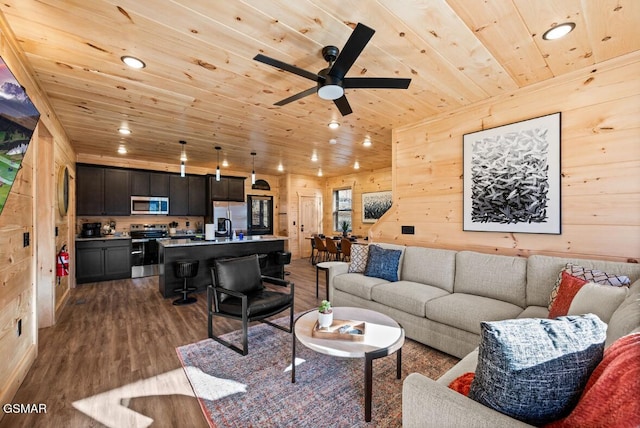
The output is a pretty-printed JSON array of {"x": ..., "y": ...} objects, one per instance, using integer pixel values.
[{"x": 611, "y": 396}]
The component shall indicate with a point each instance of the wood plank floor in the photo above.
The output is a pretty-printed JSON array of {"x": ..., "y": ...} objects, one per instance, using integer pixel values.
[{"x": 115, "y": 344}]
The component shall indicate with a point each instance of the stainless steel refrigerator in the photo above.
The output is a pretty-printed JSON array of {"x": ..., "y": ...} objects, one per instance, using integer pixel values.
[{"x": 234, "y": 211}]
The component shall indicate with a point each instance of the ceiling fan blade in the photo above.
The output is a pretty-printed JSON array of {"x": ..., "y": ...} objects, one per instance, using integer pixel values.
[
  {"x": 375, "y": 83},
  {"x": 343, "y": 105},
  {"x": 286, "y": 67},
  {"x": 356, "y": 43},
  {"x": 297, "y": 96}
]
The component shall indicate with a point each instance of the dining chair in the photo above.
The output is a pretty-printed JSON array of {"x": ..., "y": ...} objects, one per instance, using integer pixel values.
[
  {"x": 238, "y": 292},
  {"x": 332, "y": 250},
  {"x": 313, "y": 248},
  {"x": 321, "y": 250},
  {"x": 345, "y": 249}
]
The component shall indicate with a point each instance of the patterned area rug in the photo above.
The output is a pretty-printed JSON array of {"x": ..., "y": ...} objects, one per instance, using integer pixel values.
[{"x": 256, "y": 390}]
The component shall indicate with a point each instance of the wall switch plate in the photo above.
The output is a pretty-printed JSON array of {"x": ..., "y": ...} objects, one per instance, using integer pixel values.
[
  {"x": 25, "y": 239},
  {"x": 408, "y": 230}
]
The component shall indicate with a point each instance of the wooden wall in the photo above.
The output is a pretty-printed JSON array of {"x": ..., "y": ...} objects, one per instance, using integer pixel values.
[
  {"x": 600, "y": 151},
  {"x": 295, "y": 187},
  {"x": 28, "y": 291},
  {"x": 359, "y": 183}
]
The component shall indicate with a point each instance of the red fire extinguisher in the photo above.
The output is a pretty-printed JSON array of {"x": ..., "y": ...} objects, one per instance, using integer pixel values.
[{"x": 62, "y": 265}]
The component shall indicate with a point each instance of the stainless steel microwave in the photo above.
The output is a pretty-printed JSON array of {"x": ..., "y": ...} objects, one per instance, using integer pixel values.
[{"x": 149, "y": 205}]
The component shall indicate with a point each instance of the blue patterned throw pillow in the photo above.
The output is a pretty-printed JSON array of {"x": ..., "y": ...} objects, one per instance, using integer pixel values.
[
  {"x": 535, "y": 370},
  {"x": 383, "y": 263}
]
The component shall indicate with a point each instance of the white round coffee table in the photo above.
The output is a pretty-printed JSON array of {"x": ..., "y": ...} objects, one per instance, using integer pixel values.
[{"x": 383, "y": 336}]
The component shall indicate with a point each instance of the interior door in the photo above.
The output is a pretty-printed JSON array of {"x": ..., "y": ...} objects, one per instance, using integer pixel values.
[{"x": 310, "y": 222}]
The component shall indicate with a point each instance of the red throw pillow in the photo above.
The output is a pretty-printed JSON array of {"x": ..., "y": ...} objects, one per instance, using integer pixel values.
[
  {"x": 569, "y": 287},
  {"x": 611, "y": 396},
  {"x": 462, "y": 384}
]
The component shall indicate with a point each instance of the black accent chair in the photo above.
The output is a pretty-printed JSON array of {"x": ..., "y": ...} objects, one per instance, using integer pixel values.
[{"x": 238, "y": 292}]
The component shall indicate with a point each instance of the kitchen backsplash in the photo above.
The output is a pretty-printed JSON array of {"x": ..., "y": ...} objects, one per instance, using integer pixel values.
[{"x": 123, "y": 223}]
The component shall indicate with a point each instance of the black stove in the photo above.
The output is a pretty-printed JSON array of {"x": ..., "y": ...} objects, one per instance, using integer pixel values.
[{"x": 148, "y": 231}]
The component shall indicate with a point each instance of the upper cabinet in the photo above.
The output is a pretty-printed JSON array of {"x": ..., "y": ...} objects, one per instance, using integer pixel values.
[
  {"x": 227, "y": 189},
  {"x": 102, "y": 191},
  {"x": 187, "y": 195},
  {"x": 149, "y": 183}
]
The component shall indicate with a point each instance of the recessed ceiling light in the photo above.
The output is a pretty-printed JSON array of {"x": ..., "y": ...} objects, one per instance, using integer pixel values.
[
  {"x": 280, "y": 167},
  {"x": 319, "y": 172},
  {"x": 356, "y": 165},
  {"x": 122, "y": 150},
  {"x": 334, "y": 124},
  {"x": 225, "y": 163},
  {"x": 367, "y": 142},
  {"x": 314, "y": 157},
  {"x": 133, "y": 62},
  {"x": 124, "y": 131},
  {"x": 559, "y": 31},
  {"x": 333, "y": 141}
]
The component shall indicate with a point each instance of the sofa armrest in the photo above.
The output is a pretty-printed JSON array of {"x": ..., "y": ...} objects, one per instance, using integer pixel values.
[
  {"x": 336, "y": 269},
  {"x": 426, "y": 403}
]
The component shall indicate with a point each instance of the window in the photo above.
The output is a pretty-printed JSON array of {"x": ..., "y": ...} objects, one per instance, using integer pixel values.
[{"x": 341, "y": 208}]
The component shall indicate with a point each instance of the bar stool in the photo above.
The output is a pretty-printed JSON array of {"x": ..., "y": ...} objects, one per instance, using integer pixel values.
[{"x": 185, "y": 269}]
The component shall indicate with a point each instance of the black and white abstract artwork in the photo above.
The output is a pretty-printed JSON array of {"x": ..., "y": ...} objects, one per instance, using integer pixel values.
[
  {"x": 512, "y": 177},
  {"x": 374, "y": 205}
]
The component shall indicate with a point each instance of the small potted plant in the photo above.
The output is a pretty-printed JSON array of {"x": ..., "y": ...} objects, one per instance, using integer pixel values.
[
  {"x": 345, "y": 228},
  {"x": 325, "y": 314}
]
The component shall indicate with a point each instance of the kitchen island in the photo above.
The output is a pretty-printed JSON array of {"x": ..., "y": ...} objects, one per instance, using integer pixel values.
[{"x": 270, "y": 249}]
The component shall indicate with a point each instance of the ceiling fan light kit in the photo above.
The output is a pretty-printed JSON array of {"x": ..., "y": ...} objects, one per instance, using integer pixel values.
[{"x": 331, "y": 81}]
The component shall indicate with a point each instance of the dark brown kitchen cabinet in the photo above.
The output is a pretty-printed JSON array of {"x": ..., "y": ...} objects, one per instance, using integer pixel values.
[
  {"x": 178, "y": 195},
  {"x": 159, "y": 184},
  {"x": 103, "y": 260},
  {"x": 227, "y": 189},
  {"x": 149, "y": 183},
  {"x": 187, "y": 195},
  {"x": 197, "y": 195},
  {"x": 102, "y": 191}
]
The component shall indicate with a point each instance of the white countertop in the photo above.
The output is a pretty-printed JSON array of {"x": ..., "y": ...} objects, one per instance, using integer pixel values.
[
  {"x": 219, "y": 241},
  {"x": 103, "y": 237}
]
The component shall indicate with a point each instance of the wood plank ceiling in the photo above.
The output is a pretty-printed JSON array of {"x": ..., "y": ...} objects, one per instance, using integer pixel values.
[{"x": 201, "y": 84}]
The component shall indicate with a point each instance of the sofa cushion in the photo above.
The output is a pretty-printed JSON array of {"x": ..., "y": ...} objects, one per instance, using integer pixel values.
[
  {"x": 534, "y": 312},
  {"x": 429, "y": 266},
  {"x": 407, "y": 296},
  {"x": 588, "y": 275},
  {"x": 462, "y": 384},
  {"x": 598, "y": 299},
  {"x": 401, "y": 248},
  {"x": 356, "y": 284},
  {"x": 493, "y": 276},
  {"x": 610, "y": 397},
  {"x": 466, "y": 311},
  {"x": 521, "y": 361},
  {"x": 542, "y": 273},
  {"x": 568, "y": 288},
  {"x": 383, "y": 263},
  {"x": 626, "y": 318},
  {"x": 359, "y": 257}
]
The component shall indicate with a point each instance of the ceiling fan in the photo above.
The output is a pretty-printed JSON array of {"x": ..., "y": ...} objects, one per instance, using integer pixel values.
[{"x": 331, "y": 81}]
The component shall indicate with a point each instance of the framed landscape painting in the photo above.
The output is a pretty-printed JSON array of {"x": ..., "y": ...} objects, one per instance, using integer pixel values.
[
  {"x": 512, "y": 177},
  {"x": 374, "y": 205},
  {"x": 18, "y": 120}
]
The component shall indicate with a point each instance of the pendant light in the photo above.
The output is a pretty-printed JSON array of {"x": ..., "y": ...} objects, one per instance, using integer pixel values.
[
  {"x": 253, "y": 171},
  {"x": 183, "y": 159},
  {"x": 218, "y": 148}
]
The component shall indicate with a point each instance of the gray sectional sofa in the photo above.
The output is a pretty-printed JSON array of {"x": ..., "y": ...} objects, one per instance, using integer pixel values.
[{"x": 440, "y": 299}]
